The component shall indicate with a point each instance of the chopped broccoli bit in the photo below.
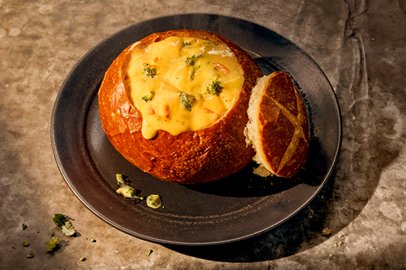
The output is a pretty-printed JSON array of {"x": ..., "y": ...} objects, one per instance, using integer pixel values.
[
  {"x": 68, "y": 229},
  {"x": 24, "y": 226},
  {"x": 154, "y": 201},
  {"x": 149, "y": 70},
  {"x": 191, "y": 61},
  {"x": 52, "y": 244},
  {"x": 214, "y": 87},
  {"x": 129, "y": 192},
  {"x": 126, "y": 190},
  {"x": 148, "y": 97},
  {"x": 187, "y": 43},
  {"x": 186, "y": 100},
  {"x": 59, "y": 219},
  {"x": 149, "y": 252},
  {"x": 64, "y": 224},
  {"x": 26, "y": 243},
  {"x": 193, "y": 72},
  {"x": 82, "y": 259},
  {"x": 121, "y": 179},
  {"x": 30, "y": 255}
]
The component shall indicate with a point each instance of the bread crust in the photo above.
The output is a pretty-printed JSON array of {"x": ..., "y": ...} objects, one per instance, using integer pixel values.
[
  {"x": 283, "y": 126},
  {"x": 190, "y": 157}
]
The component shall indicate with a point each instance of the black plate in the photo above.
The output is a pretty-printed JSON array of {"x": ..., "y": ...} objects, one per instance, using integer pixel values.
[{"x": 231, "y": 209}]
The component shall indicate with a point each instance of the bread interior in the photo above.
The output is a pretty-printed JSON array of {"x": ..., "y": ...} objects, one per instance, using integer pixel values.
[{"x": 252, "y": 131}]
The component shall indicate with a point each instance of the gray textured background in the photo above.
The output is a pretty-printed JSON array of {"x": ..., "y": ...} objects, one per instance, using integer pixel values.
[{"x": 360, "y": 45}]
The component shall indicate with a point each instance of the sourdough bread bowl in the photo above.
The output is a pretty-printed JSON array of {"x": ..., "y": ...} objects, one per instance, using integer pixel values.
[{"x": 175, "y": 105}]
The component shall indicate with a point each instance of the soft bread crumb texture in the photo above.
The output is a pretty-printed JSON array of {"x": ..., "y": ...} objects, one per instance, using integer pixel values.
[
  {"x": 277, "y": 126},
  {"x": 252, "y": 130},
  {"x": 262, "y": 171}
]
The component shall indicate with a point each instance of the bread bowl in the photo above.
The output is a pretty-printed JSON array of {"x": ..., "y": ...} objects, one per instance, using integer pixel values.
[
  {"x": 137, "y": 115},
  {"x": 278, "y": 126}
]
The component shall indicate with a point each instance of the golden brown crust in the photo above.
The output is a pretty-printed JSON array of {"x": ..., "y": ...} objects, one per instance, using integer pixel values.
[
  {"x": 283, "y": 126},
  {"x": 190, "y": 157}
]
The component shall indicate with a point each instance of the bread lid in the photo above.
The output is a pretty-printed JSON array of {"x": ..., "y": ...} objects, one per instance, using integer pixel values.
[{"x": 278, "y": 126}]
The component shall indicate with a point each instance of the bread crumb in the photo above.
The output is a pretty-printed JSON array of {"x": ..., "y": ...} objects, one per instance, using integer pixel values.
[
  {"x": 262, "y": 171},
  {"x": 326, "y": 232}
]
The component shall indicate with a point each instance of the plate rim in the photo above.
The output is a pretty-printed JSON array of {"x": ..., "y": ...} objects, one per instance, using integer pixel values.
[{"x": 152, "y": 239}]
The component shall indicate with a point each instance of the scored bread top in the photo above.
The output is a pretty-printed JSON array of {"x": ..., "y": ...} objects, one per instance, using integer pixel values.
[{"x": 278, "y": 126}]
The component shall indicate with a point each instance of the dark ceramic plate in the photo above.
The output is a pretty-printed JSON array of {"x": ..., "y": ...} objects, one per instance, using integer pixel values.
[{"x": 231, "y": 209}]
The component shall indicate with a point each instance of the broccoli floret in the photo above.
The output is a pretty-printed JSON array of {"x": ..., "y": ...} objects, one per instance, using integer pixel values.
[
  {"x": 64, "y": 224},
  {"x": 149, "y": 70},
  {"x": 129, "y": 192},
  {"x": 148, "y": 97},
  {"x": 191, "y": 60},
  {"x": 126, "y": 190},
  {"x": 121, "y": 179},
  {"x": 59, "y": 219},
  {"x": 186, "y": 100},
  {"x": 52, "y": 244},
  {"x": 214, "y": 87},
  {"x": 153, "y": 201}
]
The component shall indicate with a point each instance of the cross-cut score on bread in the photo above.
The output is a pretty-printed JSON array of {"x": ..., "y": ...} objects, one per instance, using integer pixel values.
[{"x": 278, "y": 126}]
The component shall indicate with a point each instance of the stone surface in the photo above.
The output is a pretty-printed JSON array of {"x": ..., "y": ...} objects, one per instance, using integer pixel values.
[{"x": 360, "y": 45}]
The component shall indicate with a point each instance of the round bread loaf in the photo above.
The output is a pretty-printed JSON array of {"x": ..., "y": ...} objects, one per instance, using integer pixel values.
[
  {"x": 278, "y": 126},
  {"x": 149, "y": 135}
]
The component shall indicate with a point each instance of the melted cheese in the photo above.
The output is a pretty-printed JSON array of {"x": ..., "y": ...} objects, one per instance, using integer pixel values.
[{"x": 170, "y": 82}]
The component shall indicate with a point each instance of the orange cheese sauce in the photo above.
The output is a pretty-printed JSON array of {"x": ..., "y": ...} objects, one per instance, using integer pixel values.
[{"x": 182, "y": 84}]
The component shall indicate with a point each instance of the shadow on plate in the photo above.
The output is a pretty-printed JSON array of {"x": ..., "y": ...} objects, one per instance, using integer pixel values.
[
  {"x": 304, "y": 228},
  {"x": 246, "y": 184}
]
